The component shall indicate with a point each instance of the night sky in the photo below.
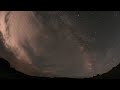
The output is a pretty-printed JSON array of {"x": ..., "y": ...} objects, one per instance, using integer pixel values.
[{"x": 60, "y": 43}]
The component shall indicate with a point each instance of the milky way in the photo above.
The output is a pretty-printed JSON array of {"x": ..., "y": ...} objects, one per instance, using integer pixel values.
[{"x": 60, "y": 43}]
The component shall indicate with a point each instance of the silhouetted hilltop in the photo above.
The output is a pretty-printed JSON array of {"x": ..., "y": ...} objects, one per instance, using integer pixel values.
[
  {"x": 112, "y": 74},
  {"x": 6, "y": 72},
  {"x": 10, "y": 73}
]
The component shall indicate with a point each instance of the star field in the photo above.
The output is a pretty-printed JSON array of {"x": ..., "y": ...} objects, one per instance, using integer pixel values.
[{"x": 61, "y": 43}]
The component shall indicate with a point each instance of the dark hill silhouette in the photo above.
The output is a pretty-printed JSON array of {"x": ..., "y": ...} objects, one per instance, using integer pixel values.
[
  {"x": 112, "y": 74},
  {"x": 6, "y": 72},
  {"x": 10, "y": 73}
]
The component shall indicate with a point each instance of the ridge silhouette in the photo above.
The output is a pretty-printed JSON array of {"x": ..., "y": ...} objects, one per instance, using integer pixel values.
[
  {"x": 6, "y": 72},
  {"x": 112, "y": 74}
]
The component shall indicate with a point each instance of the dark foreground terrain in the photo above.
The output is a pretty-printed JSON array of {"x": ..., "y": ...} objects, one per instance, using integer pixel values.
[{"x": 9, "y": 73}]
